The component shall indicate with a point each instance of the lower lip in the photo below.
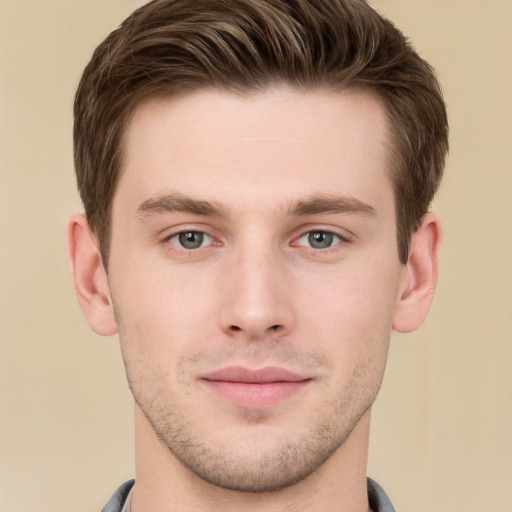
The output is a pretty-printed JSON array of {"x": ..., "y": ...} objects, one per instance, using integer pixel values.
[{"x": 256, "y": 395}]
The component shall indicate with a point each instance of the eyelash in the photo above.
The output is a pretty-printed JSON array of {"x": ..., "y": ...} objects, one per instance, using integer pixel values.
[
  {"x": 178, "y": 245},
  {"x": 336, "y": 239},
  {"x": 324, "y": 232}
]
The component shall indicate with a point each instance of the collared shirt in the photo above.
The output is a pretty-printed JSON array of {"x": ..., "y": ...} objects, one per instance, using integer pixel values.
[
  {"x": 121, "y": 500},
  {"x": 127, "y": 507}
]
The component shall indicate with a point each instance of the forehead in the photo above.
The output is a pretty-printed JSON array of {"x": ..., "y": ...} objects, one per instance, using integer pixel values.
[{"x": 283, "y": 143}]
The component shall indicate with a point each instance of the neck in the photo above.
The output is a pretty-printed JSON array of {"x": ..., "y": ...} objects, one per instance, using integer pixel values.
[{"x": 163, "y": 484}]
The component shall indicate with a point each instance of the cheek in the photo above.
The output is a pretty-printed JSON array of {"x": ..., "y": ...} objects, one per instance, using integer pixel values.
[
  {"x": 351, "y": 298},
  {"x": 158, "y": 315},
  {"x": 163, "y": 298},
  {"x": 350, "y": 318}
]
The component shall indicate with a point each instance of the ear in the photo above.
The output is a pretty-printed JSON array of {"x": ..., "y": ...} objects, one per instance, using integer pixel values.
[
  {"x": 419, "y": 276},
  {"x": 89, "y": 277}
]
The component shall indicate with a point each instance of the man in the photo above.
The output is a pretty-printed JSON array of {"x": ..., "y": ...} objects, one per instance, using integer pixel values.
[{"x": 256, "y": 176}]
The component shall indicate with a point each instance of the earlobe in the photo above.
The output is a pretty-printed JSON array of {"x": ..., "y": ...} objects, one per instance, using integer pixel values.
[
  {"x": 89, "y": 277},
  {"x": 419, "y": 276}
]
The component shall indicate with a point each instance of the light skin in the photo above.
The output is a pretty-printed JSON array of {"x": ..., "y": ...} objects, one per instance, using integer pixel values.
[{"x": 254, "y": 281}]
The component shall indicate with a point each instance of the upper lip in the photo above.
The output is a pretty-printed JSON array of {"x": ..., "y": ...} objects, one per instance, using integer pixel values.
[{"x": 260, "y": 376}]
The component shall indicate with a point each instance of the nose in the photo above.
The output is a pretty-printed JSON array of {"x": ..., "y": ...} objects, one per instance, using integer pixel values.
[{"x": 257, "y": 295}]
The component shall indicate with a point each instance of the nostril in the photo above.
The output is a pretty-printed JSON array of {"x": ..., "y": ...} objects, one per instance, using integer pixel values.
[
  {"x": 275, "y": 327},
  {"x": 235, "y": 328}
]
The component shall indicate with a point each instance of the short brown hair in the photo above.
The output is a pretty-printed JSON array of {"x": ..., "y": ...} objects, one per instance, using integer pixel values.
[{"x": 174, "y": 46}]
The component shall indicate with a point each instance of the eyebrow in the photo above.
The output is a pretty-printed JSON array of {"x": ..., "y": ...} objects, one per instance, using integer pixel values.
[
  {"x": 174, "y": 202},
  {"x": 331, "y": 204},
  {"x": 178, "y": 203}
]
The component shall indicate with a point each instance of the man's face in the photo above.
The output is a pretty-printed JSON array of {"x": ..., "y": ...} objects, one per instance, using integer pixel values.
[{"x": 255, "y": 275}]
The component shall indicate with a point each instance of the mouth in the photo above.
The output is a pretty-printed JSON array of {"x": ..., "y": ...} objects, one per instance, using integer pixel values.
[{"x": 255, "y": 389}]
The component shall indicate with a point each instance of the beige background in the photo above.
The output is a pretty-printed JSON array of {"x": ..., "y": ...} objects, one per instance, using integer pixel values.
[{"x": 441, "y": 437}]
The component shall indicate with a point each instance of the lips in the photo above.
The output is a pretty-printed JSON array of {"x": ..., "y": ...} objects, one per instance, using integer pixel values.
[{"x": 254, "y": 388}]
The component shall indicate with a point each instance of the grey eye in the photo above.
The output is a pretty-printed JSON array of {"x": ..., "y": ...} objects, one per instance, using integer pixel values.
[
  {"x": 319, "y": 239},
  {"x": 191, "y": 239}
]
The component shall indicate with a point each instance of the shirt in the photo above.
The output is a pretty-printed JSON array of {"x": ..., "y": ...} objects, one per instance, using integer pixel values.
[{"x": 120, "y": 501}]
